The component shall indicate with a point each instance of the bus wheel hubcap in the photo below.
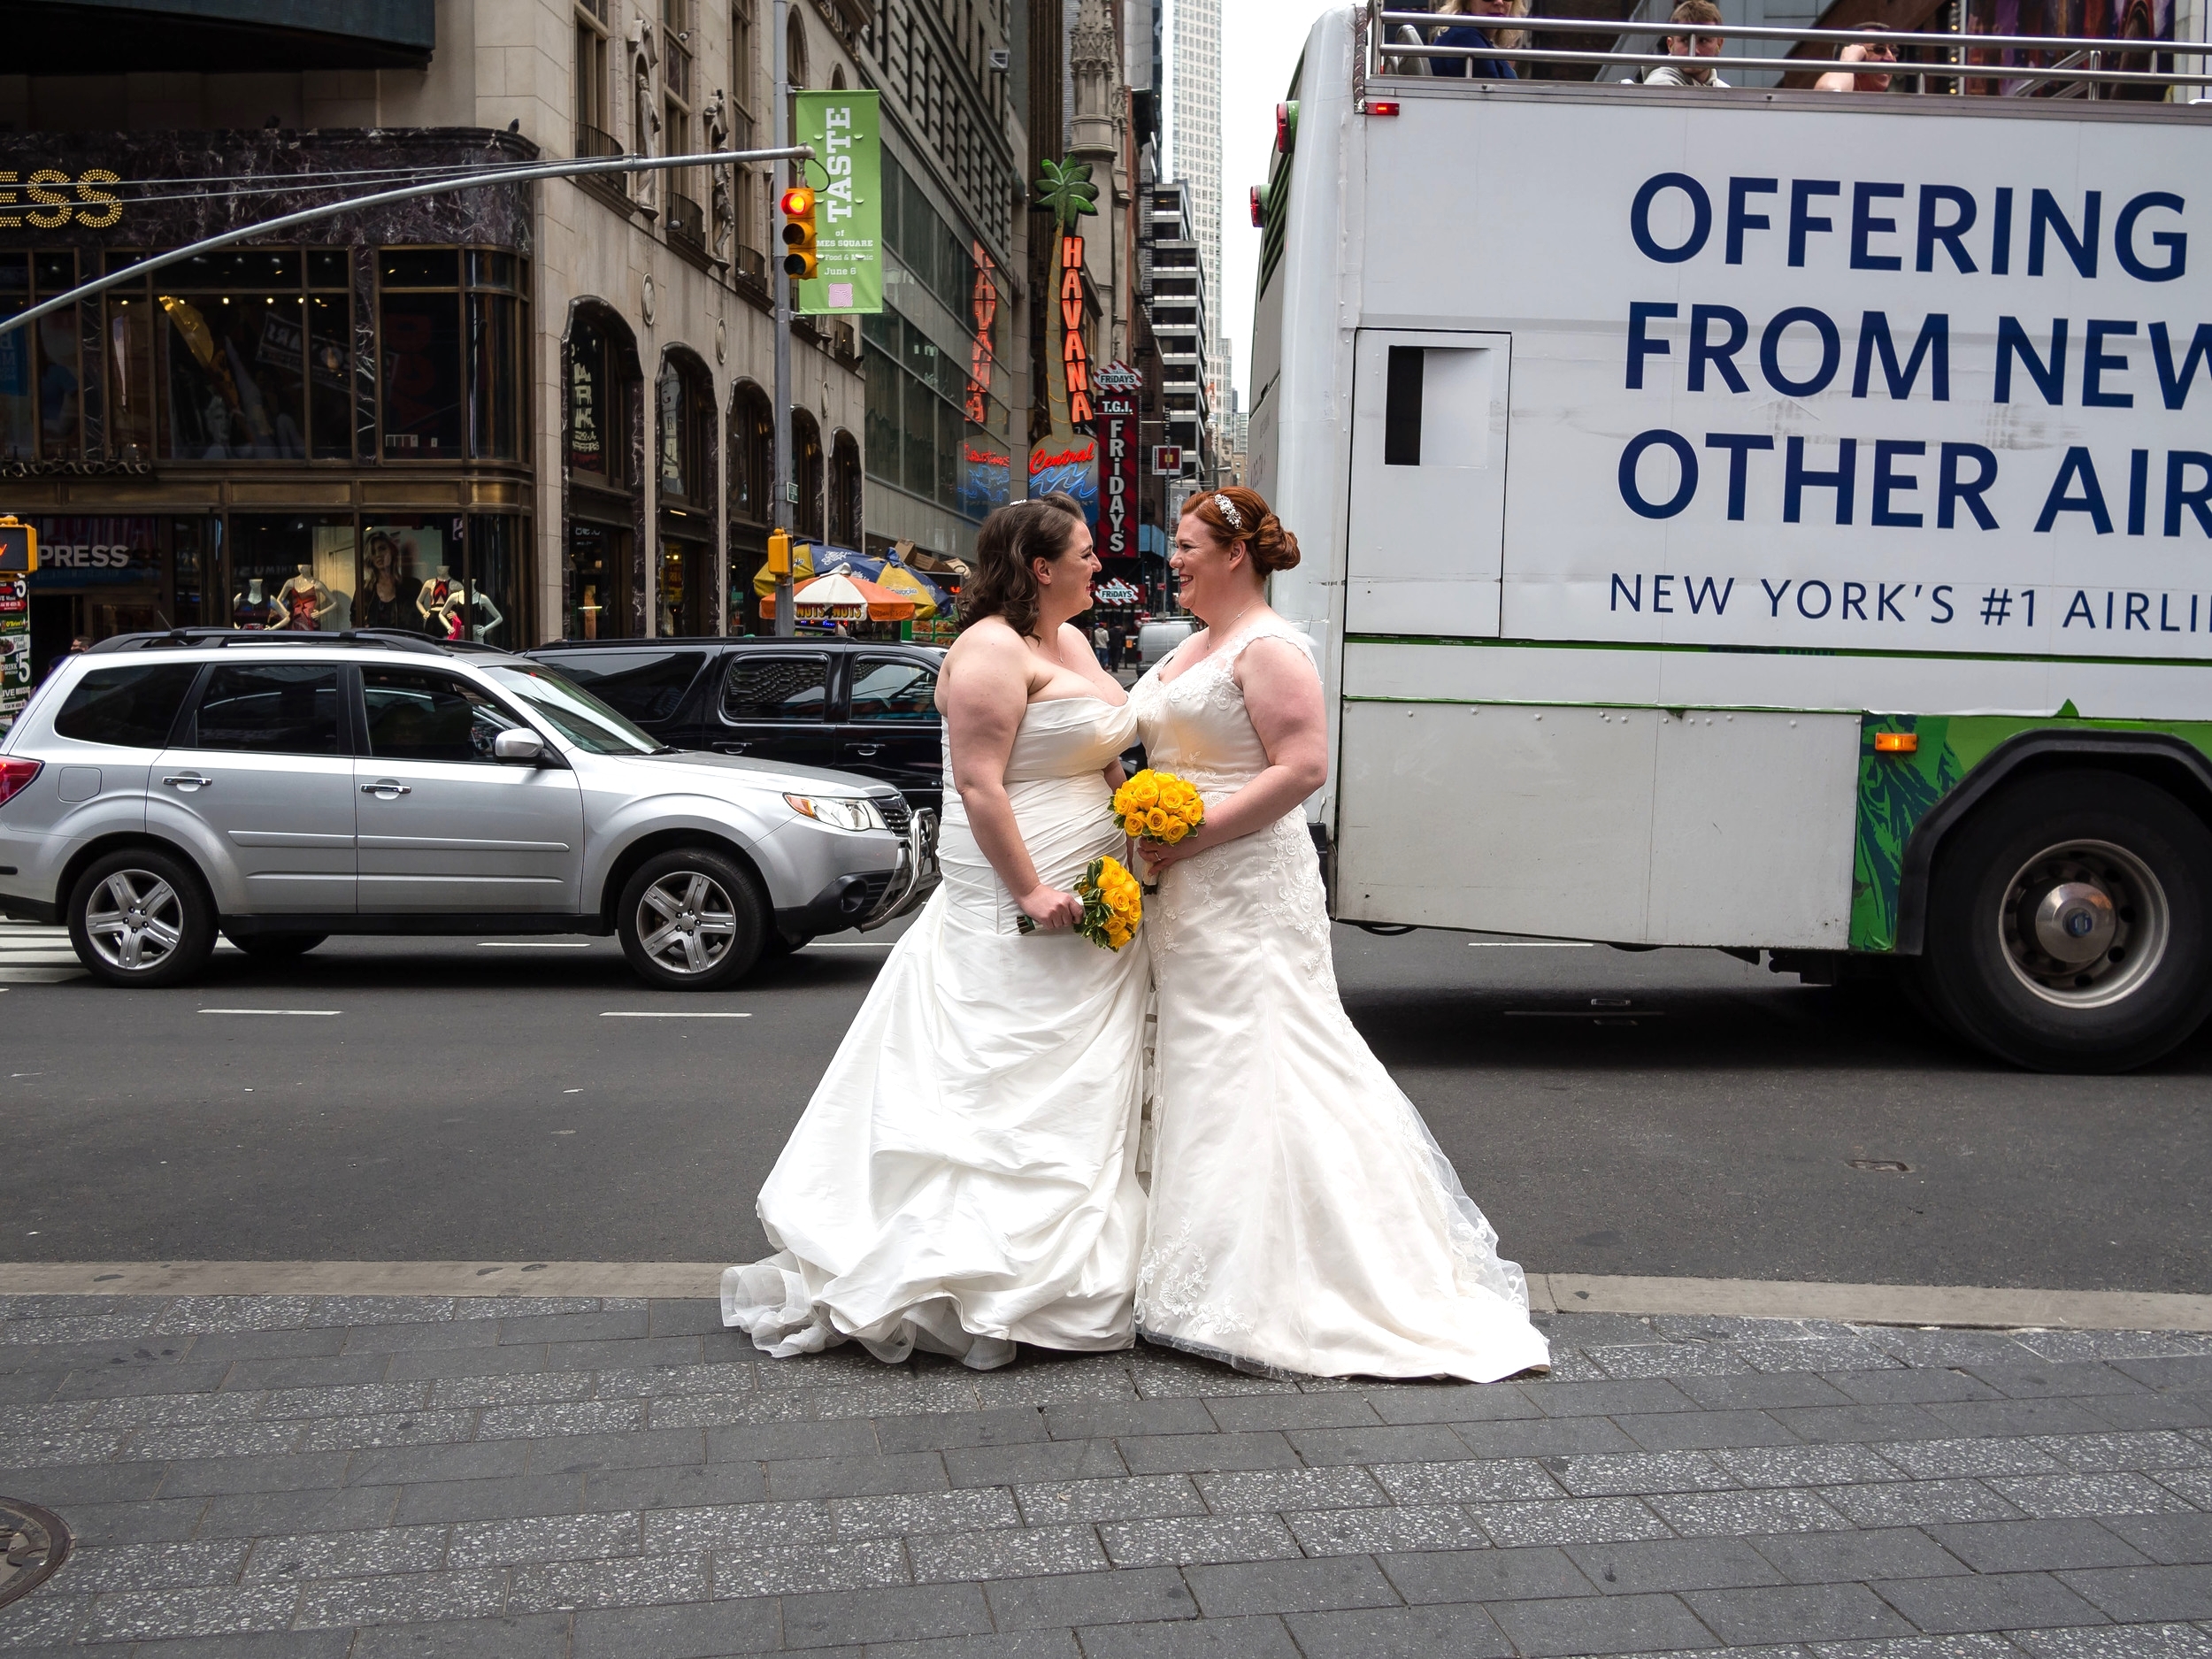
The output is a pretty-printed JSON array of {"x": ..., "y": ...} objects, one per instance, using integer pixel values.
[{"x": 2084, "y": 923}]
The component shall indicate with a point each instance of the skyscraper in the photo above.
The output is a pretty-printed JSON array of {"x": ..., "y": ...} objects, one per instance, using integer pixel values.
[{"x": 1194, "y": 131}]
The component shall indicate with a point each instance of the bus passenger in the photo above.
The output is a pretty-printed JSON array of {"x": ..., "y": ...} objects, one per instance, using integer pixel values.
[
  {"x": 1467, "y": 35},
  {"x": 1692, "y": 49},
  {"x": 1869, "y": 52}
]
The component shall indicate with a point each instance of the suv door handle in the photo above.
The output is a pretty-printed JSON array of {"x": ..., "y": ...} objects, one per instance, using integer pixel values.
[
  {"x": 865, "y": 749},
  {"x": 189, "y": 780},
  {"x": 385, "y": 789}
]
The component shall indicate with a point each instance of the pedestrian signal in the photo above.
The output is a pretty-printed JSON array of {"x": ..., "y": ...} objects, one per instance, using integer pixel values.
[
  {"x": 19, "y": 548},
  {"x": 800, "y": 259},
  {"x": 779, "y": 553}
]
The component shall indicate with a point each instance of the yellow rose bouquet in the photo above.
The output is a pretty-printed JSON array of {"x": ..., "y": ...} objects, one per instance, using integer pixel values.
[
  {"x": 1158, "y": 806},
  {"x": 1113, "y": 905}
]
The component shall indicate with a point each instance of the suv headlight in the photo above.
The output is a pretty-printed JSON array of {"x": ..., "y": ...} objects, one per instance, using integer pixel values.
[{"x": 838, "y": 811}]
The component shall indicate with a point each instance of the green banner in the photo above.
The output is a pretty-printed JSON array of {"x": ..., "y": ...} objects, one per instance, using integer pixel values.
[{"x": 846, "y": 130}]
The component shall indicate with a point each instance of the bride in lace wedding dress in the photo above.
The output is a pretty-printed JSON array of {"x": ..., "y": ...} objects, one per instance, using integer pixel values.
[
  {"x": 1303, "y": 1219},
  {"x": 964, "y": 1177}
]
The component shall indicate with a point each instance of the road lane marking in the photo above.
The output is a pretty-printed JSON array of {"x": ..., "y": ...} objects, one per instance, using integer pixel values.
[
  {"x": 1972, "y": 1307},
  {"x": 618, "y": 1013},
  {"x": 301, "y": 1013}
]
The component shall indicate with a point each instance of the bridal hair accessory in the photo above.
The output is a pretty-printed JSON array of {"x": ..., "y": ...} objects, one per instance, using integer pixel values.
[
  {"x": 1113, "y": 905},
  {"x": 1229, "y": 511},
  {"x": 1158, "y": 806}
]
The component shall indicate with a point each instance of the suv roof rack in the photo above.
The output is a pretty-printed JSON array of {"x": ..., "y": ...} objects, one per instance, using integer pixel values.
[{"x": 386, "y": 639}]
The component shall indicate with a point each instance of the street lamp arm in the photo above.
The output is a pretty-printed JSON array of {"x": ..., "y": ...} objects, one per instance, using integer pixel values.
[{"x": 404, "y": 193}]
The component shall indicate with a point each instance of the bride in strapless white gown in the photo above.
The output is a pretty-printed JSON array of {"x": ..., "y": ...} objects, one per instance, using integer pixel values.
[
  {"x": 1303, "y": 1218},
  {"x": 964, "y": 1177}
]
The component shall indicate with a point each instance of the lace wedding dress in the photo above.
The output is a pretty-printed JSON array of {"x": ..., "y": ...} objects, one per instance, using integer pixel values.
[
  {"x": 964, "y": 1177},
  {"x": 1303, "y": 1219}
]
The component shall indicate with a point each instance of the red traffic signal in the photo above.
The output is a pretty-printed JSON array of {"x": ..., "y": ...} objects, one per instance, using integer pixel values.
[{"x": 800, "y": 259}]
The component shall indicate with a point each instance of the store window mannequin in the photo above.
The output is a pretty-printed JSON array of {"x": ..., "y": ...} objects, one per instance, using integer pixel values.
[
  {"x": 436, "y": 594},
  {"x": 302, "y": 604},
  {"x": 250, "y": 609}
]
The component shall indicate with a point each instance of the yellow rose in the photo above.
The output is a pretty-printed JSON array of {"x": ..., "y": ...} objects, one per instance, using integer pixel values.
[
  {"x": 1144, "y": 790},
  {"x": 1156, "y": 823},
  {"x": 1175, "y": 832},
  {"x": 1193, "y": 815}
]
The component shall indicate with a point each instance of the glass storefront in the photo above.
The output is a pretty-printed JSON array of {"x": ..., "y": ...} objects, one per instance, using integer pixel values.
[
  {"x": 598, "y": 571},
  {"x": 446, "y": 576}
]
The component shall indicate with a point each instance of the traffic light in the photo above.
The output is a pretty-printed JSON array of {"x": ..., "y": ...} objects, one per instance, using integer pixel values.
[
  {"x": 800, "y": 259},
  {"x": 19, "y": 548}
]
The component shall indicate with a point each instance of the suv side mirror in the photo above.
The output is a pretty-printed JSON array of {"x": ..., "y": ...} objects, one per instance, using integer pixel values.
[{"x": 518, "y": 746}]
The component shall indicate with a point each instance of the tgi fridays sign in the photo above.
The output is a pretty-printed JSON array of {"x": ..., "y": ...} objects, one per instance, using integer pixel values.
[{"x": 1118, "y": 386}]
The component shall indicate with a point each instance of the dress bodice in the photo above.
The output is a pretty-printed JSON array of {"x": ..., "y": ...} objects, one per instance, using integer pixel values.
[
  {"x": 1196, "y": 725},
  {"x": 1063, "y": 737}
]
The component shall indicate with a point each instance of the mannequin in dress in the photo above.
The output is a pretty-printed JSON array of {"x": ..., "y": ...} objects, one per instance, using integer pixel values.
[
  {"x": 432, "y": 600},
  {"x": 250, "y": 609},
  {"x": 302, "y": 604}
]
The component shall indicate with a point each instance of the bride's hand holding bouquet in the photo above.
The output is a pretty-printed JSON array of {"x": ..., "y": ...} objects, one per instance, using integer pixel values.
[{"x": 1163, "y": 815}]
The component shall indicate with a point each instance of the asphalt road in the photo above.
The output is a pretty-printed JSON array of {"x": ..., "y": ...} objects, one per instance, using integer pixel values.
[{"x": 1674, "y": 1113}]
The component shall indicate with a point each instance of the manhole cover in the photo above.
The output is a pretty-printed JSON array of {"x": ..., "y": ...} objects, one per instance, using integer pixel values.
[{"x": 36, "y": 1544}]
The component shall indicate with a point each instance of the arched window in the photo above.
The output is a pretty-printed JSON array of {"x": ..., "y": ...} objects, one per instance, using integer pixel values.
[
  {"x": 844, "y": 491},
  {"x": 837, "y": 79},
  {"x": 752, "y": 446},
  {"x": 795, "y": 51},
  {"x": 603, "y": 597},
  {"x": 806, "y": 454},
  {"x": 685, "y": 450},
  {"x": 752, "y": 437},
  {"x": 685, "y": 438}
]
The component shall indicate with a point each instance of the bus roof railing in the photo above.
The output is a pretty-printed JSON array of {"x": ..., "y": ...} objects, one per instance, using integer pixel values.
[{"x": 2071, "y": 68}]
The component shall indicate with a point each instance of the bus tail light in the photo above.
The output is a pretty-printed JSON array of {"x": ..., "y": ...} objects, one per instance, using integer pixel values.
[
  {"x": 1896, "y": 742},
  {"x": 1382, "y": 106}
]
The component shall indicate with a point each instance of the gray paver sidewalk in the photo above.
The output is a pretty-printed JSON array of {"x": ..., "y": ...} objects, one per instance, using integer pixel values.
[{"x": 369, "y": 1476}]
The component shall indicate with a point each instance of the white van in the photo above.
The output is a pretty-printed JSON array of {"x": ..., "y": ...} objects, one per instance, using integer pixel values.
[{"x": 1766, "y": 520}]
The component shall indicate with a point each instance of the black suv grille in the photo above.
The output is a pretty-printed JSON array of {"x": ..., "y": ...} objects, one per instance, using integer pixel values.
[{"x": 895, "y": 811}]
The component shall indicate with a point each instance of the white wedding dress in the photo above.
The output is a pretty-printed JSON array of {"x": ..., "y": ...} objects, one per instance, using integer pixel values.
[
  {"x": 964, "y": 1177},
  {"x": 1305, "y": 1221}
]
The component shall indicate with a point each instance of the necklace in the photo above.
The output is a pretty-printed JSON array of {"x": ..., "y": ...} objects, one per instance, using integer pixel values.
[{"x": 1222, "y": 633}]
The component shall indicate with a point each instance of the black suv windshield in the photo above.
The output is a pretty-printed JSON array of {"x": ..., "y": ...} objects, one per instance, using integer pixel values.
[{"x": 570, "y": 711}]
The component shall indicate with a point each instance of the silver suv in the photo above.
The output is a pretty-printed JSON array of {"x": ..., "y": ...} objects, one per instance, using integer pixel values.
[{"x": 281, "y": 788}]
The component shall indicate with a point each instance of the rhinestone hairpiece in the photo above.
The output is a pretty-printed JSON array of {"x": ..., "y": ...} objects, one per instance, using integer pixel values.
[{"x": 1229, "y": 511}]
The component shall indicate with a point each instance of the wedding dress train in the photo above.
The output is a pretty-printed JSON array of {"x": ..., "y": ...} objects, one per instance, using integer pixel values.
[
  {"x": 964, "y": 1177},
  {"x": 1303, "y": 1219}
]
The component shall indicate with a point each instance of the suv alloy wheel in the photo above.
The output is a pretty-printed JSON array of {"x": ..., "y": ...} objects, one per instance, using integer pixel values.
[
  {"x": 141, "y": 917},
  {"x": 2070, "y": 923},
  {"x": 691, "y": 921}
]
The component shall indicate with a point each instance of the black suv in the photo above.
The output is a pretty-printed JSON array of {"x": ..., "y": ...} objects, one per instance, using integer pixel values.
[{"x": 858, "y": 705}]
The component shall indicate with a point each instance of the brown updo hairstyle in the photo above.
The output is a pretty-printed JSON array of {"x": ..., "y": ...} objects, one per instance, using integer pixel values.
[
  {"x": 1271, "y": 547},
  {"x": 1004, "y": 583}
]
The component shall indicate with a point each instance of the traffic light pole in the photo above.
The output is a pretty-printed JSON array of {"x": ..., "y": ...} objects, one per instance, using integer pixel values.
[{"x": 785, "y": 488}]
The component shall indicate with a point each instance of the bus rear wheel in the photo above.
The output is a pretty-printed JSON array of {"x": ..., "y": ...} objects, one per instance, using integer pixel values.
[{"x": 2070, "y": 923}]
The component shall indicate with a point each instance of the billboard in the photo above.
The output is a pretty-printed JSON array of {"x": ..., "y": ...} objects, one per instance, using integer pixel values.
[
  {"x": 1811, "y": 381},
  {"x": 845, "y": 129}
]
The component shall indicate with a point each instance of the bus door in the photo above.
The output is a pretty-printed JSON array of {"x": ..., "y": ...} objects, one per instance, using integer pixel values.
[{"x": 1427, "y": 530}]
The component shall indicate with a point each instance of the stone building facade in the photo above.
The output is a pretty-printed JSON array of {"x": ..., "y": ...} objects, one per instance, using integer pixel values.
[{"x": 520, "y": 413}]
